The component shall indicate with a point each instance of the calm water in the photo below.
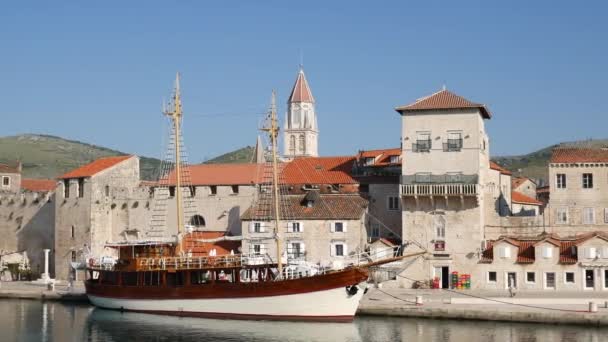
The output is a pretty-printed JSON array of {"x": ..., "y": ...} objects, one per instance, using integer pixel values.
[{"x": 25, "y": 320}]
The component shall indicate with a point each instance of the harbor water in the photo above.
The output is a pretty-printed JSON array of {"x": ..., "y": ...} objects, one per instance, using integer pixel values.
[{"x": 31, "y": 320}]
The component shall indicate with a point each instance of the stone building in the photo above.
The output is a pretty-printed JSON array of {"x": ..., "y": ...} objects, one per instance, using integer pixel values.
[
  {"x": 86, "y": 212},
  {"x": 378, "y": 172},
  {"x": 524, "y": 185},
  {"x": 579, "y": 191},
  {"x": 301, "y": 132},
  {"x": 445, "y": 155},
  {"x": 27, "y": 216}
]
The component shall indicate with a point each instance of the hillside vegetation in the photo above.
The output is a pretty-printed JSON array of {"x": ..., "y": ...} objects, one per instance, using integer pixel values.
[
  {"x": 242, "y": 155},
  {"x": 535, "y": 164},
  {"x": 46, "y": 156}
]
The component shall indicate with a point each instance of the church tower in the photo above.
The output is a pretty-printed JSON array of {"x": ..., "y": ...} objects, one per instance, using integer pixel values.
[{"x": 301, "y": 133}]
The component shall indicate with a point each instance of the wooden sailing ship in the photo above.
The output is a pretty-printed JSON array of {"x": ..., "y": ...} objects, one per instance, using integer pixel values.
[{"x": 159, "y": 277}]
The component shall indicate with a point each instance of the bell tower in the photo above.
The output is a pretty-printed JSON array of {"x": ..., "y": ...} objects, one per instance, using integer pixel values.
[{"x": 300, "y": 135}]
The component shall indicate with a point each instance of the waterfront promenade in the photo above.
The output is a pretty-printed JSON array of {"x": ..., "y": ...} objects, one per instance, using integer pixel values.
[
  {"x": 526, "y": 307},
  {"x": 29, "y": 290}
]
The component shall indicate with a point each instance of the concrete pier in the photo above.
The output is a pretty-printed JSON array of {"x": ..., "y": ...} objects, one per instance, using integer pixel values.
[
  {"x": 28, "y": 290},
  {"x": 531, "y": 307}
]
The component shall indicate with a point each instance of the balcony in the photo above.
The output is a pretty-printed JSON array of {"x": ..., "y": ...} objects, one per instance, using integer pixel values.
[
  {"x": 449, "y": 189},
  {"x": 421, "y": 146},
  {"x": 452, "y": 145}
]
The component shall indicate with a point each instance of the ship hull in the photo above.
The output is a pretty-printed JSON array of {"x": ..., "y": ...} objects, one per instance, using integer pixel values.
[{"x": 318, "y": 298}]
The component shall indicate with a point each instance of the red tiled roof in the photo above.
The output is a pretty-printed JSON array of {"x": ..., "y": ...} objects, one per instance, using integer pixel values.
[
  {"x": 301, "y": 92},
  {"x": 325, "y": 207},
  {"x": 525, "y": 252},
  {"x": 495, "y": 166},
  {"x": 488, "y": 254},
  {"x": 38, "y": 185},
  {"x": 94, "y": 167},
  {"x": 518, "y": 197},
  {"x": 190, "y": 243},
  {"x": 565, "y": 253},
  {"x": 444, "y": 100},
  {"x": 319, "y": 170},
  {"x": 579, "y": 155},
  {"x": 223, "y": 174},
  {"x": 382, "y": 157},
  {"x": 8, "y": 169}
]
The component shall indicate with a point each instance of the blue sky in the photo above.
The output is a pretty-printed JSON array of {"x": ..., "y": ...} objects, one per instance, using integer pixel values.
[{"x": 98, "y": 72}]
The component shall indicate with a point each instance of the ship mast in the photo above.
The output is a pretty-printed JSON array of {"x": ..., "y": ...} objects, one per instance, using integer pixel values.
[
  {"x": 175, "y": 114},
  {"x": 273, "y": 132}
]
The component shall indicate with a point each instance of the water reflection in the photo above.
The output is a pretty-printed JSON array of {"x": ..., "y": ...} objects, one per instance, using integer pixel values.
[{"x": 23, "y": 320}]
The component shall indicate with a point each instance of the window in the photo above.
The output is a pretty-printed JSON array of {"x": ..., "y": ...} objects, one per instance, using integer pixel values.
[
  {"x": 423, "y": 142},
  {"x": 339, "y": 227},
  {"x": 590, "y": 252},
  {"x": 197, "y": 221},
  {"x": 369, "y": 161},
  {"x": 80, "y": 187},
  {"x": 550, "y": 280},
  {"x": 588, "y": 216},
  {"x": 393, "y": 203},
  {"x": 587, "y": 180},
  {"x": 6, "y": 181},
  {"x": 530, "y": 277},
  {"x": 562, "y": 215},
  {"x": 258, "y": 249},
  {"x": 491, "y": 277},
  {"x": 66, "y": 188},
  {"x": 440, "y": 231},
  {"x": 569, "y": 277},
  {"x": 192, "y": 191},
  {"x": 454, "y": 143},
  {"x": 302, "y": 143},
  {"x": 504, "y": 252},
  {"x": 423, "y": 177},
  {"x": 394, "y": 159},
  {"x": 235, "y": 189},
  {"x": 295, "y": 227},
  {"x": 171, "y": 191},
  {"x": 107, "y": 191},
  {"x": 256, "y": 227},
  {"x": 295, "y": 250},
  {"x": 375, "y": 230},
  {"x": 72, "y": 232},
  {"x": 453, "y": 177},
  {"x": 292, "y": 143},
  {"x": 561, "y": 180},
  {"x": 339, "y": 249},
  {"x": 547, "y": 252},
  {"x": 213, "y": 190}
]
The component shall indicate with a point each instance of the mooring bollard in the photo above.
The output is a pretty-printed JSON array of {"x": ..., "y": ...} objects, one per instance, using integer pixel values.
[
  {"x": 418, "y": 300},
  {"x": 592, "y": 307}
]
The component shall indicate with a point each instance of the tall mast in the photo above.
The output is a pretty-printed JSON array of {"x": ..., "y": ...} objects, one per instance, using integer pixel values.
[
  {"x": 175, "y": 114},
  {"x": 273, "y": 132}
]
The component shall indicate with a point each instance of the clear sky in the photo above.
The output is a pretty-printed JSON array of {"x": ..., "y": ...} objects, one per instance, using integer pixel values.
[{"x": 97, "y": 71}]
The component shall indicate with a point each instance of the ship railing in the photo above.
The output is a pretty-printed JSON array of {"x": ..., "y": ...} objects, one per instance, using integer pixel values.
[{"x": 187, "y": 262}]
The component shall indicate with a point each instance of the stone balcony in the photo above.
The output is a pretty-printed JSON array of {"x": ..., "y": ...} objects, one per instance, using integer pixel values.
[{"x": 439, "y": 190}]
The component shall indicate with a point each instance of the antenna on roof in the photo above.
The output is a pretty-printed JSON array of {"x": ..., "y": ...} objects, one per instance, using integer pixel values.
[{"x": 301, "y": 59}]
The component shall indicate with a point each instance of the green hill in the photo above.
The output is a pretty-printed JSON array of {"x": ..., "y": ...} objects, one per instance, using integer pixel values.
[
  {"x": 46, "y": 156},
  {"x": 242, "y": 155},
  {"x": 535, "y": 164}
]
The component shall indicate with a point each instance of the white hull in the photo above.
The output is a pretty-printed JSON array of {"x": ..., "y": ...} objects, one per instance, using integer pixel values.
[{"x": 333, "y": 304}]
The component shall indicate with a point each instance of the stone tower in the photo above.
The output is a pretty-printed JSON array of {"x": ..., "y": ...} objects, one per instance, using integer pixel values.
[{"x": 301, "y": 133}]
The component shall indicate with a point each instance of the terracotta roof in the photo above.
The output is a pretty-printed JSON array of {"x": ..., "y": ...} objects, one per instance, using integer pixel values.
[
  {"x": 38, "y": 185},
  {"x": 8, "y": 169},
  {"x": 495, "y": 166},
  {"x": 94, "y": 167},
  {"x": 443, "y": 100},
  {"x": 223, "y": 174},
  {"x": 319, "y": 170},
  {"x": 488, "y": 254},
  {"x": 525, "y": 252},
  {"x": 579, "y": 155},
  {"x": 301, "y": 91},
  {"x": 518, "y": 197},
  {"x": 382, "y": 157},
  {"x": 197, "y": 248},
  {"x": 328, "y": 207},
  {"x": 565, "y": 253}
]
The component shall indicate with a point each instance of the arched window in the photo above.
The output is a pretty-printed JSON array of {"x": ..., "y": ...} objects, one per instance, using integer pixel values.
[
  {"x": 302, "y": 143},
  {"x": 197, "y": 221},
  {"x": 292, "y": 143}
]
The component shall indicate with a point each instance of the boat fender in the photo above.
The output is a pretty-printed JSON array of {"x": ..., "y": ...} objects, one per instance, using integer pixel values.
[{"x": 352, "y": 290}]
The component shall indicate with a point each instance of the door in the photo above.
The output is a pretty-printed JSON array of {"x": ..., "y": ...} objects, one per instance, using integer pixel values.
[
  {"x": 512, "y": 280},
  {"x": 445, "y": 277},
  {"x": 589, "y": 279}
]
